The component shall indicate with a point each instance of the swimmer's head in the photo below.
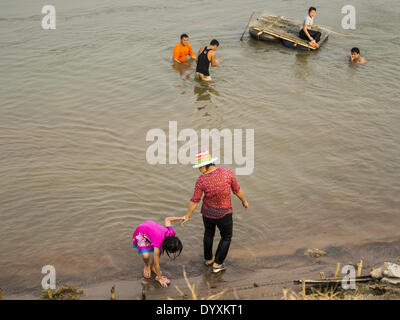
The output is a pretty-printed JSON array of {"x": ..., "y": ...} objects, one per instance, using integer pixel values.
[
  {"x": 184, "y": 39},
  {"x": 312, "y": 11},
  {"x": 214, "y": 44},
  {"x": 172, "y": 245},
  {"x": 355, "y": 53}
]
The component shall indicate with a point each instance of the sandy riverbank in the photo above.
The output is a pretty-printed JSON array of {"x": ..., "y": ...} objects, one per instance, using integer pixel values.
[{"x": 274, "y": 274}]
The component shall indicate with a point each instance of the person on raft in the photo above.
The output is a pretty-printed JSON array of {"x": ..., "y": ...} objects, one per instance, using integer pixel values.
[
  {"x": 355, "y": 56},
  {"x": 182, "y": 50},
  {"x": 216, "y": 184},
  {"x": 204, "y": 57},
  {"x": 311, "y": 35},
  {"x": 151, "y": 237}
]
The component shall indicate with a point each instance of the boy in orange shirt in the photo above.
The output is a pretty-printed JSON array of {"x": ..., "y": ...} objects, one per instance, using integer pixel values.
[{"x": 183, "y": 49}]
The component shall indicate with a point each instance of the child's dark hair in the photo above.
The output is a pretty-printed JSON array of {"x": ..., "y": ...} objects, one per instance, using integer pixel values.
[
  {"x": 184, "y": 35},
  {"x": 173, "y": 245},
  {"x": 312, "y": 9},
  {"x": 356, "y": 50}
]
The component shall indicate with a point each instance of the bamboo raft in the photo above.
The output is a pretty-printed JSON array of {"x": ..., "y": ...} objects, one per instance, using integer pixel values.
[
  {"x": 331, "y": 281},
  {"x": 274, "y": 28},
  {"x": 335, "y": 281}
]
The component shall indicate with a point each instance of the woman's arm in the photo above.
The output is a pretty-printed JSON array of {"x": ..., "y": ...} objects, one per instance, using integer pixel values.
[
  {"x": 198, "y": 192},
  {"x": 237, "y": 191},
  {"x": 168, "y": 220},
  {"x": 191, "y": 208},
  {"x": 241, "y": 196}
]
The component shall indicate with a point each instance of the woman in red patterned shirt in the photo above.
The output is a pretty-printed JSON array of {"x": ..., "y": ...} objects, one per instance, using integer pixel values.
[{"x": 216, "y": 184}]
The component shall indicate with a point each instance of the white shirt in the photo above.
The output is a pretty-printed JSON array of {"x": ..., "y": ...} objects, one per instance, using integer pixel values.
[{"x": 308, "y": 21}]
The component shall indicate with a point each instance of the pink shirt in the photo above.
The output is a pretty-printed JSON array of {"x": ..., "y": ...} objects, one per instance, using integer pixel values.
[
  {"x": 154, "y": 232},
  {"x": 216, "y": 186}
]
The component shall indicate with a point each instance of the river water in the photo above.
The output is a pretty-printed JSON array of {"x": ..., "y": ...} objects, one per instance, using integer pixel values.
[{"x": 77, "y": 102}]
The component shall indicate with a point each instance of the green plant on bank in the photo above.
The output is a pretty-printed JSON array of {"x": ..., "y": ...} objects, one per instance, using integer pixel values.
[
  {"x": 194, "y": 293},
  {"x": 63, "y": 292}
]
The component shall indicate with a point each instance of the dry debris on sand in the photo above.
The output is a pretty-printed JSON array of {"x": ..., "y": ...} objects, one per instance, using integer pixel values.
[
  {"x": 381, "y": 283},
  {"x": 63, "y": 292},
  {"x": 315, "y": 253}
]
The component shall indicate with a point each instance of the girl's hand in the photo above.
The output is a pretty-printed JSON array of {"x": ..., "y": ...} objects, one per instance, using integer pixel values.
[
  {"x": 185, "y": 219},
  {"x": 245, "y": 204},
  {"x": 163, "y": 281}
]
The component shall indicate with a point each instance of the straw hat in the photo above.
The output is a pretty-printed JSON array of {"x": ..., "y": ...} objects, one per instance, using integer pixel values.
[{"x": 203, "y": 158}]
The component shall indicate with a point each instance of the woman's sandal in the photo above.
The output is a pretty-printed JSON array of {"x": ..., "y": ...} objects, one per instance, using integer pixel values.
[
  {"x": 219, "y": 269},
  {"x": 207, "y": 264}
]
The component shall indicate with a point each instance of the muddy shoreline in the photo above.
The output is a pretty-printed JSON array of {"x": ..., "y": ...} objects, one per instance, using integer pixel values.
[{"x": 265, "y": 278}]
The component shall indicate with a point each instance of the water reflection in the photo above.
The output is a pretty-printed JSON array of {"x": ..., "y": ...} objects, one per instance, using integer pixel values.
[
  {"x": 211, "y": 279},
  {"x": 204, "y": 90},
  {"x": 184, "y": 69},
  {"x": 301, "y": 68}
]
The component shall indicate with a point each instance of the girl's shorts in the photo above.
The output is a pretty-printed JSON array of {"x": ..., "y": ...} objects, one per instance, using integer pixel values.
[{"x": 142, "y": 244}]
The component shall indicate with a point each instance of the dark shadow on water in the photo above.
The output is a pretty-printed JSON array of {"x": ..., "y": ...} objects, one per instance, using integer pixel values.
[
  {"x": 204, "y": 90},
  {"x": 211, "y": 280},
  {"x": 263, "y": 45}
]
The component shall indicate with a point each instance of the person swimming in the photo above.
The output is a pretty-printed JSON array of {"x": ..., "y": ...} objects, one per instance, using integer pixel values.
[
  {"x": 355, "y": 56},
  {"x": 311, "y": 35},
  {"x": 149, "y": 237},
  {"x": 183, "y": 49}
]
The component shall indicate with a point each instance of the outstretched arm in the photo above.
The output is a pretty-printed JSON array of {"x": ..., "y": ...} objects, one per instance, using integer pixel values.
[
  {"x": 214, "y": 62},
  {"x": 191, "y": 53},
  {"x": 168, "y": 220},
  {"x": 191, "y": 208}
]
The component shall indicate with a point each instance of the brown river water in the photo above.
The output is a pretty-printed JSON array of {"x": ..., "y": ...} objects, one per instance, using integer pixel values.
[{"x": 77, "y": 102}]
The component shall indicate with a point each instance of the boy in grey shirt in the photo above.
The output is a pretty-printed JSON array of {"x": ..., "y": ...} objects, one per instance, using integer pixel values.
[{"x": 312, "y": 36}]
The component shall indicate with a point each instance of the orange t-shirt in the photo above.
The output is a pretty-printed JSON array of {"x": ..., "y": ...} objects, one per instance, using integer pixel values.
[{"x": 181, "y": 52}]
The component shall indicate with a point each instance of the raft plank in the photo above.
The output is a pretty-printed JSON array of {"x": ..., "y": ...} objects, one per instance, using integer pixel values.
[{"x": 331, "y": 281}]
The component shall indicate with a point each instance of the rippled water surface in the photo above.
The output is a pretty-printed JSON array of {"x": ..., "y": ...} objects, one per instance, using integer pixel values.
[{"x": 77, "y": 102}]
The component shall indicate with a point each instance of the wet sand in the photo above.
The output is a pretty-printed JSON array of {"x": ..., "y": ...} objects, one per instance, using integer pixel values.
[{"x": 274, "y": 273}]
